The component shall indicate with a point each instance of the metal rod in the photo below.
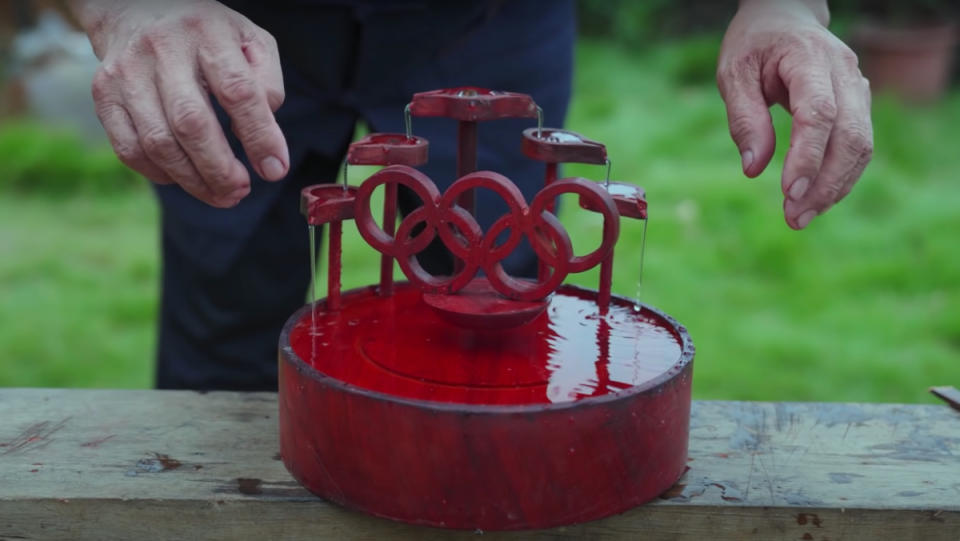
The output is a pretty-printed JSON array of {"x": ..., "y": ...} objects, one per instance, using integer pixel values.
[
  {"x": 606, "y": 181},
  {"x": 539, "y": 122},
  {"x": 408, "y": 121},
  {"x": 389, "y": 227},
  {"x": 334, "y": 265}
]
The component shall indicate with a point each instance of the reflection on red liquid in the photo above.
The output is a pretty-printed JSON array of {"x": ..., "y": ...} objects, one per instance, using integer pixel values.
[{"x": 400, "y": 346}]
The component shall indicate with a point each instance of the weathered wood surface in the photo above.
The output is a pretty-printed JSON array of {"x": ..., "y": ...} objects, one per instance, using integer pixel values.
[{"x": 182, "y": 465}]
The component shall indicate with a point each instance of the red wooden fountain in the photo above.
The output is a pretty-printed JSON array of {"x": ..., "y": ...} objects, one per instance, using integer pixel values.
[{"x": 481, "y": 400}]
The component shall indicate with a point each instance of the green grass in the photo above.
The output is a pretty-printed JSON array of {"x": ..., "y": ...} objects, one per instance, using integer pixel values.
[
  {"x": 862, "y": 306},
  {"x": 78, "y": 288}
]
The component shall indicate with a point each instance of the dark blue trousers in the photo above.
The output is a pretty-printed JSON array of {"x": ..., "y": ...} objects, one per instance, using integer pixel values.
[{"x": 231, "y": 277}]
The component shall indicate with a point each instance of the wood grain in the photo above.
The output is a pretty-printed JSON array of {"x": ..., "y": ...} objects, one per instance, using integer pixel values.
[{"x": 78, "y": 464}]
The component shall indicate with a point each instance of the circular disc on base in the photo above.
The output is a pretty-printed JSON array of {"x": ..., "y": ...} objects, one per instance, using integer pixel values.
[
  {"x": 479, "y": 306},
  {"x": 388, "y": 408}
]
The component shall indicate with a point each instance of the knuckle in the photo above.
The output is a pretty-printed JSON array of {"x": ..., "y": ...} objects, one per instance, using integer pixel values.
[
  {"x": 220, "y": 177},
  {"x": 129, "y": 152},
  {"x": 255, "y": 135},
  {"x": 269, "y": 42},
  {"x": 724, "y": 74},
  {"x": 847, "y": 188},
  {"x": 196, "y": 22},
  {"x": 102, "y": 85},
  {"x": 857, "y": 141},
  {"x": 217, "y": 174},
  {"x": 275, "y": 97},
  {"x": 740, "y": 128},
  {"x": 743, "y": 67},
  {"x": 824, "y": 108},
  {"x": 237, "y": 89},
  {"x": 162, "y": 144},
  {"x": 828, "y": 193},
  {"x": 155, "y": 41},
  {"x": 819, "y": 111},
  {"x": 848, "y": 58},
  {"x": 188, "y": 119}
]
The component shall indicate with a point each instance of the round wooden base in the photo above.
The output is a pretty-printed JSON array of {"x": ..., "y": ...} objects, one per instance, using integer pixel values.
[{"x": 387, "y": 408}]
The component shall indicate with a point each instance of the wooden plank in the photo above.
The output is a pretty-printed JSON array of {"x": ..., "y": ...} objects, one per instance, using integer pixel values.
[
  {"x": 77, "y": 464},
  {"x": 950, "y": 395}
]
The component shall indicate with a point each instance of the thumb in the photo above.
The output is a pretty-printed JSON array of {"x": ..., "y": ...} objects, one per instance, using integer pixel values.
[{"x": 749, "y": 117}]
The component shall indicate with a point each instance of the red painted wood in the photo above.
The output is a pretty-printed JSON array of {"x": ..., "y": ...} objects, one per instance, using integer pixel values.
[
  {"x": 629, "y": 199},
  {"x": 325, "y": 203},
  {"x": 388, "y": 149},
  {"x": 606, "y": 279},
  {"x": 549, "y": 177},
  {"x": 387, "y": 408},
  {"x": 480, "y": 250},
  {"x": 334, "y": 265},
  {"x": 479, "y": 306},
  {"x": 553, "y": 145},
  {"x": 473, "y": 104},
  {"x": 389, "y": 226}
]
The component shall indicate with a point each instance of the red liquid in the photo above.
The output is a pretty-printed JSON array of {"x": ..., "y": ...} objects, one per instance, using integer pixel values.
[{"x": 400, "y": 346}]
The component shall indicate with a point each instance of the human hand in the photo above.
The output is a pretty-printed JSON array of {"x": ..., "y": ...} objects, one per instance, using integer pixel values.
[
  {"x": 779, "y": 51},
  {"x": 160, "y": 62}
]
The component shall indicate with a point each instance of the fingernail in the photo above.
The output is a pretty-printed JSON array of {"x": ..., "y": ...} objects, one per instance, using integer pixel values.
[
  {"x": 747, "y": 157},
  {"x": 799, "y": 188},
  {"x": 272, "y": 168},
  {"x": 805, "y": 218}
]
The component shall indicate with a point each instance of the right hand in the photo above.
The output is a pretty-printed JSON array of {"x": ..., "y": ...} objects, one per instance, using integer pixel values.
[{"x": 161, "y": 61}]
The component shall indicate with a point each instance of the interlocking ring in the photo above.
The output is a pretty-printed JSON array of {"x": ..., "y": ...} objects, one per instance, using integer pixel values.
[{"x": 462, "y": 235}]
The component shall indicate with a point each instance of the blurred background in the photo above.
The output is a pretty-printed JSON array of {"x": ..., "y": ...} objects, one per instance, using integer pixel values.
[{"x": 862, "y": 306}]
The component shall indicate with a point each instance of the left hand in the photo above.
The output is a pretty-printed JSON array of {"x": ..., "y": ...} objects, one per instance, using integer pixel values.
[{"x": 780, "y": 51}]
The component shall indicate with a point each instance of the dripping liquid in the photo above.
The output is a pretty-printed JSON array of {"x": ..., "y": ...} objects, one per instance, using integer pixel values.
[{"x": 643, "y": 250}]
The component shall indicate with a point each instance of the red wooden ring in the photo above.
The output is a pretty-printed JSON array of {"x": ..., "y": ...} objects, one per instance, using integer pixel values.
[
  {"x": 599, "y": 200},
  {"x": 399, "y": 174},
  {"x": 499, "y": 184},
  {"x": 406, "y": 246},
  {"x": 407, "y": 260},
  {"x": 526, "y": 290},
  {"x": 467, "y": 225},
  {"x": 492, "y": 251}
]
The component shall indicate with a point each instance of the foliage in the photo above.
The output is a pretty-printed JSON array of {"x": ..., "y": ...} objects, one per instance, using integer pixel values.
[
  {"x": 36, "y": 159},
  {"x": 898, "y": 11},
  {"x": 640, "y": 24}
]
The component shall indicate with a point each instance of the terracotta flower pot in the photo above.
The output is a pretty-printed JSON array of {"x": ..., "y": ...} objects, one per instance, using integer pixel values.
[{"x": 913, "y": 62}]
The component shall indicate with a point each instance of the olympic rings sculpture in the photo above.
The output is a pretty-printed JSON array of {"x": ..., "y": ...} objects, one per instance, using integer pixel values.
[{"x": 462, "y": 235}]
